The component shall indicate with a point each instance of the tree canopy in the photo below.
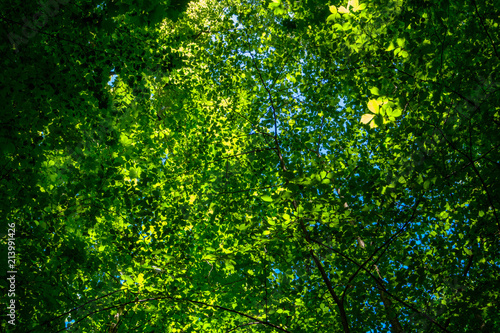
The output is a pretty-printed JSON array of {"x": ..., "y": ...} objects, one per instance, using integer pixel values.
[{"x": 250, "y": 166}]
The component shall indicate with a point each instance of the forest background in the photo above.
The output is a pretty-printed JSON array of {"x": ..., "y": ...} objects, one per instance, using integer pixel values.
[{"x": 250, "y": 166}]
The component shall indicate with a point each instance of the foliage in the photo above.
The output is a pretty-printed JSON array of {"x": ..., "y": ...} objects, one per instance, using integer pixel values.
[{"x": 254, "y": 166}]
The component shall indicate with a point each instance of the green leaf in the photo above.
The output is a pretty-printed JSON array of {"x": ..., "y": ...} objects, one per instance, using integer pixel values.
[
  {"x": 394, "y": 112},
  {"x": 343, "y": 10},
  {"x": 366, "y": 118},
  {"x": 330, "y": 18},
  {"x": 266, "y": 198},
  {"x": 374, "y": 91},
  {"x": 390, "y": 47},
  {"x": 373, "y": 106}
]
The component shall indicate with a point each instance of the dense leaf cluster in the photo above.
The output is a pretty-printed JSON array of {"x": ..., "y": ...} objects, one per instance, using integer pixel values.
[{"x": 253, "y": 166}]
